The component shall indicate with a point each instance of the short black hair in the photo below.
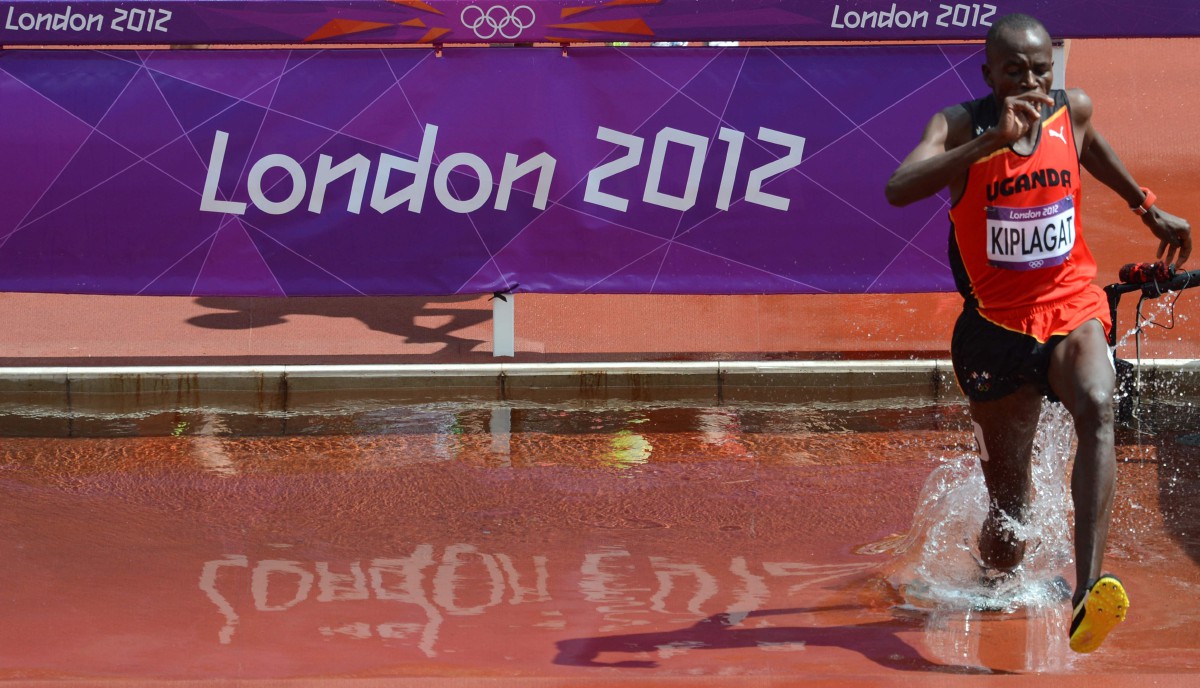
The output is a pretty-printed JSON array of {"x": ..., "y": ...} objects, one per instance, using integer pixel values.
[
  {"x": 1015, "y": 22},
  {"x": 1011, "y": 23}
]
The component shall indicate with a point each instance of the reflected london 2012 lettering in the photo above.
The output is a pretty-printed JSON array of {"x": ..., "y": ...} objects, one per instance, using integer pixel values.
[{"x": 412, "y": 598}]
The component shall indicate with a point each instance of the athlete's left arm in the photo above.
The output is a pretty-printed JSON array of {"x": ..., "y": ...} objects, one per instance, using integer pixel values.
[{"x": 1097, "y": 157}]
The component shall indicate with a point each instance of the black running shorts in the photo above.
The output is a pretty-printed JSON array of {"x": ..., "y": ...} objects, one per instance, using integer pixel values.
[{"x": 991, "y": 362}]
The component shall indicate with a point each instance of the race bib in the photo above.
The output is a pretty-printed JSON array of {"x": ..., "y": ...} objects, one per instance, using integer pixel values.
[{"x": 1031, "y": 238}]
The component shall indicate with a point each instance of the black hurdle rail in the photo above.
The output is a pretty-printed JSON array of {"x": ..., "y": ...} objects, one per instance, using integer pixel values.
[
  {"x": 1150, "y": 290},
  {"x": 1127, "y": 378}
]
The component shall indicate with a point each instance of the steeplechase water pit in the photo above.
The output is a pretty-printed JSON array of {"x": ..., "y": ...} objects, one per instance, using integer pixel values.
[
  {"x": 787, "y": 526},
  {"x": 255, "y": 527}
]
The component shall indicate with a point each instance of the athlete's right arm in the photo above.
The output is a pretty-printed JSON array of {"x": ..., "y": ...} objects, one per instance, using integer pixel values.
[
  {"x": 947, "y": 149},
  {"x": 941, "y": 159}
]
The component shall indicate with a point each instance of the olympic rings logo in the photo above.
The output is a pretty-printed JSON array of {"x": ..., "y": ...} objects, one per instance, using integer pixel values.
[
  {"x": 497, "y": 20},
  {"x": 1035, "y": 264}
]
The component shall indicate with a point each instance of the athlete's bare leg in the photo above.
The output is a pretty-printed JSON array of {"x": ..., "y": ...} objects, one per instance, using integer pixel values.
[
  {"x": 1082, "y": 375},
  {"x": 1008, "y": 426}
]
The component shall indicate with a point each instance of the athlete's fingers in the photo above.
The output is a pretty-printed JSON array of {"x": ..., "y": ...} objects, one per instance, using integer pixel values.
[
  {"x": 1023, "y": 117},
  {"x": 1035, "y": 95},
  {"x": 1175, "y": 240},
  {"x": 1028, "y": 109},
  {"x": 1019, "y": 115},
  {"x": 1027, "y": 115},
  {"x": 1032, "y": 100},
  {"x": 1167, "y": 252}
]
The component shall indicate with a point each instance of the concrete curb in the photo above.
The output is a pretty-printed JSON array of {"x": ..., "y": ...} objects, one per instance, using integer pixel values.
[{"x": 287, "y": 387}]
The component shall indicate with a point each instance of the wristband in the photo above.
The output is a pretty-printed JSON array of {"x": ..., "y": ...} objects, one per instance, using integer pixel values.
[{"x": 1144, "y": 206}]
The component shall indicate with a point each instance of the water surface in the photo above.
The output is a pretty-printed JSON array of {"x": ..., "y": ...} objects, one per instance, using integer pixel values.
[{"x": 611, "y": 540}]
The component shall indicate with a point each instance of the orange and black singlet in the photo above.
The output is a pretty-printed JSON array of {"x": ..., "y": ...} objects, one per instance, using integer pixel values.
[{"x": 1016, "y": 241}]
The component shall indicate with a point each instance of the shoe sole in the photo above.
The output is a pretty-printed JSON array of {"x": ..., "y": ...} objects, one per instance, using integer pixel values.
[{"x": 1103, "y": 608}]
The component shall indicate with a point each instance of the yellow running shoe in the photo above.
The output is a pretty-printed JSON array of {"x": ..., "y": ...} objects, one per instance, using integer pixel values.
[{"x": 1100, "y": 610}]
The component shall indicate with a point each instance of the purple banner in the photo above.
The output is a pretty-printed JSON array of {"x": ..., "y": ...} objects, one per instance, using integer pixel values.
[
  {"x": 189, "y": 22},
  {"x": 654, "y": 170}
]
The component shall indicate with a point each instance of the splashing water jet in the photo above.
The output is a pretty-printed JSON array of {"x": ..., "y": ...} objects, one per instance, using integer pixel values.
[{"x": 937, "y": 564}]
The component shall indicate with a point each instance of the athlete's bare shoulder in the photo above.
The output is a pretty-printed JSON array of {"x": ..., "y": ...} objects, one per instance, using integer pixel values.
[
  {"x": 1081, "y": 106},
  {"x": 1081, "y": 117}
]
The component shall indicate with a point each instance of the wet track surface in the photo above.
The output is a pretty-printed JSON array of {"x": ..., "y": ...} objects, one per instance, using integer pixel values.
[{"x": 596, "y": 542}]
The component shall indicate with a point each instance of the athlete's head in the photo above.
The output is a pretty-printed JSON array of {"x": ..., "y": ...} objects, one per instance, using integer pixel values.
[{"x": 1020, "y": 57}]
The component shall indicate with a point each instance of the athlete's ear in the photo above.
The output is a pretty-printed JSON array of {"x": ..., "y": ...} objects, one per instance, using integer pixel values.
[{"x": 987, "y": 76}]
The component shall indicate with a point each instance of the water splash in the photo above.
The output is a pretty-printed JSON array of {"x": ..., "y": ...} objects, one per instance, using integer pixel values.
[
  {"x": 937, "y": 564},
  {"x": 1155, "y": 317},
  {"x": 1154, "y": 314}
]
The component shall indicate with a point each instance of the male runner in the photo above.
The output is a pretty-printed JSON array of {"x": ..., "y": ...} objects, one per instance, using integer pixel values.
[{"x": 1033, "y": 324}]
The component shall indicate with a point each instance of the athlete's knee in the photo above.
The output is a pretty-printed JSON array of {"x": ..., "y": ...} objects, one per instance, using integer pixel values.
[{"x": 1094, "y": 406}]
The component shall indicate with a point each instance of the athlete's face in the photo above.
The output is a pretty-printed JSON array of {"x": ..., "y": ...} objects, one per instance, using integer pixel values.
[{"x": 1019, "y": 61}]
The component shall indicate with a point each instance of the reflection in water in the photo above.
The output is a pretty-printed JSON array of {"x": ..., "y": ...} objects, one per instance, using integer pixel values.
[
  {"x": 334, "y": 586},
  {"x": 623, "y": 590},
  {"x": 604, "y": 585},
  {"x": 628, "y": 449},
  {"x": 721, "y": 429},
  {"x": 289, "y": 572},
  {"x": 667, "y": 572},
  {"x": 628, "y": 536},
  {"x": 751, "y": 592},
  {"x": 448, "y": 580},
  {"x": 500, "y": 429},
  {"x": 278, "y": 586},
  {"x": 1033, "y": 640},
  {"x": 207, "y": 445},
  {"x": 208, "y": 583},
  {"x": 769, "y": 630}
]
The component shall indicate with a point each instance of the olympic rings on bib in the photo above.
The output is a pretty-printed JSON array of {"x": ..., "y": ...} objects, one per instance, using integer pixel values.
[{"x": 497, "y": 20}]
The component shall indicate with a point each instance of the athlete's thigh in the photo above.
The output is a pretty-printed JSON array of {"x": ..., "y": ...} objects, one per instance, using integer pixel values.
[{"x": 1081, "y": 366}]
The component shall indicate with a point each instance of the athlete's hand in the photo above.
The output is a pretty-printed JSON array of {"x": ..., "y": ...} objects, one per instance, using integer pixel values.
[
  {"x": 1019, "y": 113},
  {"x": 1174, "y": 236}
]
